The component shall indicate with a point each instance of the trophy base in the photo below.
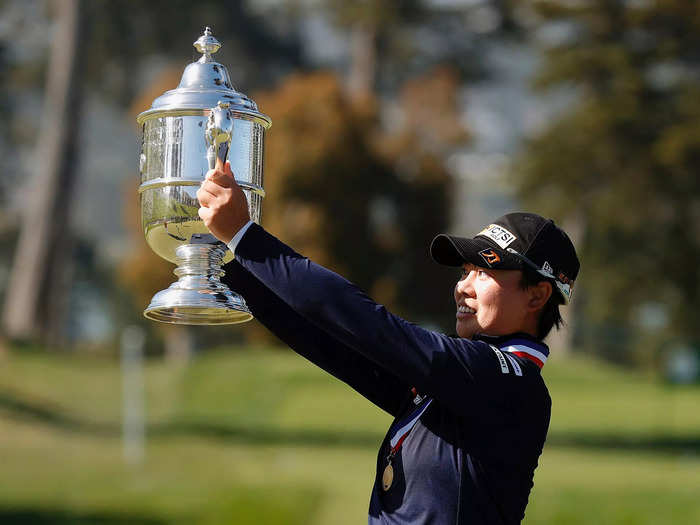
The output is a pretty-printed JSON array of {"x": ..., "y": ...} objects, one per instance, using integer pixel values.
[{"x": 198, "y": 297}]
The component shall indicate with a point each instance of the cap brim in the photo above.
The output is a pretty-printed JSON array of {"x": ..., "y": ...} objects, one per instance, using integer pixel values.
[{"x": 455, "y": 251}]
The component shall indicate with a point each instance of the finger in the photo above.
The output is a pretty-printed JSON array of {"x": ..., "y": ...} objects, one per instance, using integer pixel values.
[
  {"x": 218, "y": 170},
  {"x": 221, "y": 176},
  {"x": 211, "y": 188},
  {"x": 204, "y": 197},
  {"x": 225, "y": 180},
  {"x": 212, "y": 173},
  {"x": 205, "y": 214}
]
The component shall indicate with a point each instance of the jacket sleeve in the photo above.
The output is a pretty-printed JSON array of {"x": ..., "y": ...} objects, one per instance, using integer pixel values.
[
  {"x": 463, "y": 375},
  {"x": 383, "y": 389}
]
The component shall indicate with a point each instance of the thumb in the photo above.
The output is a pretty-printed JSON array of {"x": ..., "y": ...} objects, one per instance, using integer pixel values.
[{"x": 221, "y": 174}]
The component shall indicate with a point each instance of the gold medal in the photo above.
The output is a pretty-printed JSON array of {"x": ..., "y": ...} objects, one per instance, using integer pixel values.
[
  {"x": 398, "y": 432},
  {"x": 387, "y": 477}
]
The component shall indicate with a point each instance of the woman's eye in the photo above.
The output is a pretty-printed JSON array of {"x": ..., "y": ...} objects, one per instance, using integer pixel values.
[{"x": 481, "y": 274}]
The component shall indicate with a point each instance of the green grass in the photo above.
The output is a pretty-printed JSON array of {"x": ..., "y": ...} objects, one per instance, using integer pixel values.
[
  {"x": 260, "y": 436},
  {"x": 577, "y": 487},
  {"x": 593, "y": 397}
]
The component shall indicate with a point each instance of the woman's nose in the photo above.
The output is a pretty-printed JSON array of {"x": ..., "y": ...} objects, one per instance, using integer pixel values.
[{"x": 464, "y": 285}]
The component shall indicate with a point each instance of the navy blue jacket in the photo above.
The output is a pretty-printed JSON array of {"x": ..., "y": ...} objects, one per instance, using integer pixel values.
[{"x": 471, "y": 457}]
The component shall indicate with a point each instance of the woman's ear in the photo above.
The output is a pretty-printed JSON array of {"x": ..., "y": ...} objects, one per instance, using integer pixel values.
[{"x": 539, "y": 295}]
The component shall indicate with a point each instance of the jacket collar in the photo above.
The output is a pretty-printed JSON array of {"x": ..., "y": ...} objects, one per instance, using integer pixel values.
[{"x": 520, "y": 344}]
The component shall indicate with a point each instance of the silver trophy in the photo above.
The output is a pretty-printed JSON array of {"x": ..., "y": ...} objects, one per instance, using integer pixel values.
[{"x": 184, "y": 132}]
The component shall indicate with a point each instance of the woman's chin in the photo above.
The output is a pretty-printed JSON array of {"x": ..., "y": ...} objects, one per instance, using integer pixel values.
[{"x": 465, "y": 330}]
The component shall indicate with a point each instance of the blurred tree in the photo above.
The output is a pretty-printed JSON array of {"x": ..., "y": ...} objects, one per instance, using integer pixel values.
[
  {"x": 417, "y": 149},
  {"x": 338, "y": 163},
  {"x": 393, "y": 41},
  {"x": 405, "y": 196},
  {"x": 347, "y": 193},
  {"x": 122, "y": 36},
  {"x": 128, "y": 33},
  {"x": 259, "y": 55},
  {"x": 356, "y": 198},
  {"x": 622, "y": 160},
  {"x": 35, "y": 301},
  {"x": 369, "y": 24}
]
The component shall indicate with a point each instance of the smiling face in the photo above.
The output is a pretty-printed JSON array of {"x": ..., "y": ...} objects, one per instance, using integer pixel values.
[{"x": 492, "y": 302}]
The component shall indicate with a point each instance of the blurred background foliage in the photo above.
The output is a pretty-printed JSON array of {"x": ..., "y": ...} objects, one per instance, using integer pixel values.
[
  {"x": 621, "y": 161},
  {"x": 344, "y": 188},
  {"x": 392, "y": 121}
]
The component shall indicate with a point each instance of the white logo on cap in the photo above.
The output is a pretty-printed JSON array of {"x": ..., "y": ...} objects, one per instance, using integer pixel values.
[
  {"x": 498, "y": 234},
  {"x": 548, "y": 268}
]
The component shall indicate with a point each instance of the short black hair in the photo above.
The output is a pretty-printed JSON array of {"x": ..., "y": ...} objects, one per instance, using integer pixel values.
[{"x": 550, "y": 316}]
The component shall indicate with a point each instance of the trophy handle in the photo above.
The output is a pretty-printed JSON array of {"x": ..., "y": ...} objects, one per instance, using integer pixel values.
[{"x": 218, "y": 133}]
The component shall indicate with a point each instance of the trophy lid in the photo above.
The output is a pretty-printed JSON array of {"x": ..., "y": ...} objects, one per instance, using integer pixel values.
[{"x": 204, "y": 84}]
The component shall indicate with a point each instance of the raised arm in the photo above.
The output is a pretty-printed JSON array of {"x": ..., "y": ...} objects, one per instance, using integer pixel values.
[
  {"x": 450, "y": 369},
  {"x": 460, "y": 373},
  {"x": 383, "y": 389}
]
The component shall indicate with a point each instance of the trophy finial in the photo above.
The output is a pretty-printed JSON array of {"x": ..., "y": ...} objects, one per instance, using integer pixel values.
[{"x": 207, "y": 45}]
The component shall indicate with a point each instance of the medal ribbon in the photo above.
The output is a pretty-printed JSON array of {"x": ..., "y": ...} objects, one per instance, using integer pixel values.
[
  {"x": 400, "y": 431},
  {"x": 404, "y": 427}
]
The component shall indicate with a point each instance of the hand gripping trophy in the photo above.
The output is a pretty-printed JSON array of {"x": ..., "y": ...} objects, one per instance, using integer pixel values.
[{"x": 185, "y": 131}]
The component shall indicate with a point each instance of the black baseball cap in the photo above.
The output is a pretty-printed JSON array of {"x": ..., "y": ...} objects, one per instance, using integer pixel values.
[{"x": 514, "y": 242}]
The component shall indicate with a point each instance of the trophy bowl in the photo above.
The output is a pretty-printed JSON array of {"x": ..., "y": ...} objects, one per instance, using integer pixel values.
[{"x": 184, "y": 132}]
